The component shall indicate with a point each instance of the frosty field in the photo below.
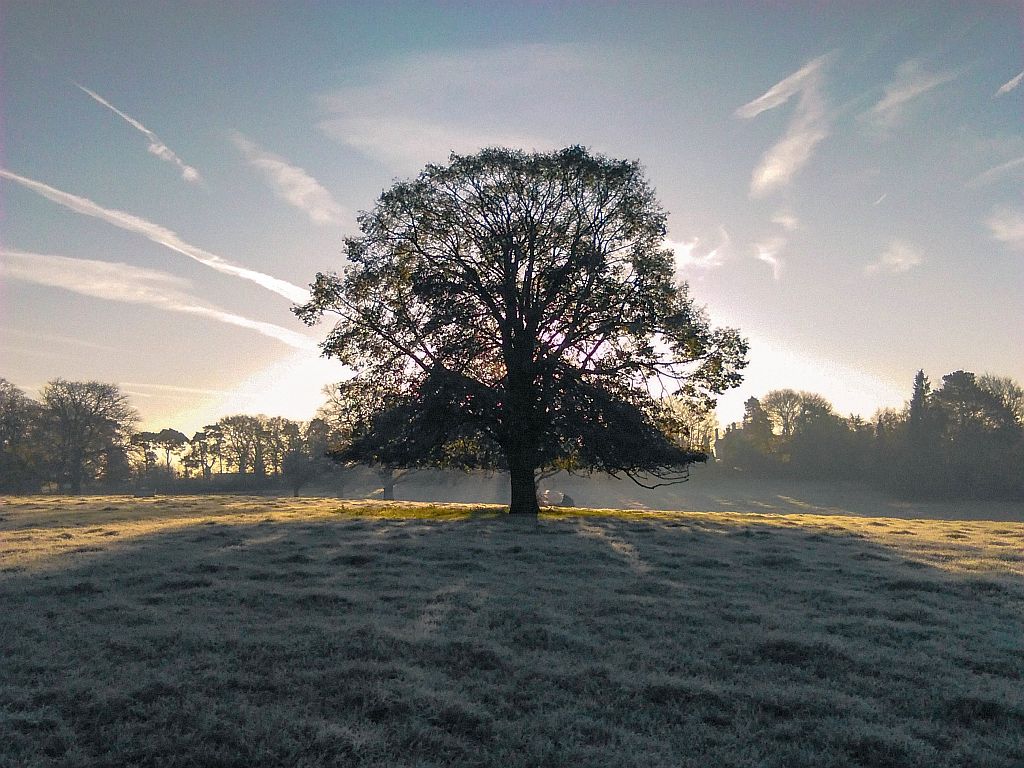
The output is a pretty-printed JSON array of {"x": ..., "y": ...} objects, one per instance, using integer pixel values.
[{"x": 242, "y": 631}]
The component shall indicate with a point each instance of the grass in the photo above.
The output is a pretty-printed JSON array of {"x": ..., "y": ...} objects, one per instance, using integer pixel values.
[{"x": 232, "y": 631}]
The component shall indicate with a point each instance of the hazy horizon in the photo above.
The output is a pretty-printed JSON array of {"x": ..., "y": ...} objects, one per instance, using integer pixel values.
[{"x": 844, "y": 184}]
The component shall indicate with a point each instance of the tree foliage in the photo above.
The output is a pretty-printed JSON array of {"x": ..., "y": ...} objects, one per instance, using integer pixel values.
[
  {"x": 523, "y": 304},
  {"x": 86, "y": 426},
  {"x": 963, "y": 439}
]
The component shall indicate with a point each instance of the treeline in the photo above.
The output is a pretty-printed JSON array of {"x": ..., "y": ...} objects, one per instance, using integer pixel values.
[
  {"x": 80, "y": 436},
  {"x": 964, "y": 439}
]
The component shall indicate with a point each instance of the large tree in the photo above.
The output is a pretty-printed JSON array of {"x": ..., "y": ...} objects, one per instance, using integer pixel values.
[{"x": 524, "y": 304}]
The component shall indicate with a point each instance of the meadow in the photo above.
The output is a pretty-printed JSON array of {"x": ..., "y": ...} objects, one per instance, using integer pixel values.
[{"x": 243, "y": 631}]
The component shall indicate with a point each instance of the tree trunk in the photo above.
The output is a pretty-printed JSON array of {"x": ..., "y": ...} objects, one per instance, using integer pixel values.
[
  {"x": 524, "y": 489},
  {"x": 387, "y": 481}
]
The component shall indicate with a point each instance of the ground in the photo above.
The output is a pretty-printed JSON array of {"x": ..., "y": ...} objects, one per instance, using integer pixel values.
[{"x": 236, "y": 631}]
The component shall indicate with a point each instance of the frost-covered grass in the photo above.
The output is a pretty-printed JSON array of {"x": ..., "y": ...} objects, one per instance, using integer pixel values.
[{"x": 237, "y": 631}]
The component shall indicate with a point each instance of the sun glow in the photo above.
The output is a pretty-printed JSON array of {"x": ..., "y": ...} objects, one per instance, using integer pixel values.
[
  {"x": 774, "y": 367},
  {"x": 291, "y": 387}
]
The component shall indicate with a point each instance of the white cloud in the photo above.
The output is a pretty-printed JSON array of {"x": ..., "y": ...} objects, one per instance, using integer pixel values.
[
  {"x": 409, "y": 142},
  {"x": 689, "y": 255},
  {"x": 786, "y": 220},
  {"x": 768, "y": 252},
  {"x": 132, "y": 285},
  {"x": 994, "y": 174},
  {"x": 1009, "y": 85},
  {"x": 175, "y": 390},
  {"x": 291, "y": 183},
  {"x": 1007, "y": 226},
  {"x": 899, "y": 257},
  {"x": 418, "y": 109},
  {"x": 809, "y": 126},
  {"x": 156, "y": 147},
  {"x": 160, "y": 235},
  {"x": 911, "y": 82}
]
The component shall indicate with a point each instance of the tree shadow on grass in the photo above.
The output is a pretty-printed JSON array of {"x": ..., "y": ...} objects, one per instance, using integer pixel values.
[{"x": 598, "y": 641}]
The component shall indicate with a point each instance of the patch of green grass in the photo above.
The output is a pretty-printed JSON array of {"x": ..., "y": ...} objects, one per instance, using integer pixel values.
[{"x": 238, "y": 631}]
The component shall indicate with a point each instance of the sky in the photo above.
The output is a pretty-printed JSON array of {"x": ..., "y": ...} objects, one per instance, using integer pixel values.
[{"x": 844, "y": 180}]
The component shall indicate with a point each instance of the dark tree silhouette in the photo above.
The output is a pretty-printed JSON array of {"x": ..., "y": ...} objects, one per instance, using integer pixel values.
[
  {"x": 523, "y": 304},
  {"x": 20, "y": 460},
  {"x": 783, "y": 407},
  {"x": 354, "y": 411},
  {"x": 170, "y": 441},
  {"x": 83, "y": 422},
  {"x": 298, "y": 469}
]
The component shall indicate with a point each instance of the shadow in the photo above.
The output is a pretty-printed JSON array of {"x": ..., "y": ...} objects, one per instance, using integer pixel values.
[
  {"x": 582, "y": 640},
  {"x": 710, "y": 489}
]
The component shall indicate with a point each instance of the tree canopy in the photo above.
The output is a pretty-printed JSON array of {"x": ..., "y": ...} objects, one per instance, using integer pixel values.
[{"x": 523, "y": 303}]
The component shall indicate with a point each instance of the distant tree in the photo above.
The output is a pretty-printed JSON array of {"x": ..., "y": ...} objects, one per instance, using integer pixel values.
[
  {"x": 20, "y": 459},
  {"x": 83, "y": 421},
  {"x": 783, "y": 408},
  {"x": 978, "y": 433},
  {"x": 214, "y": 437},
  {"x": 967, "y": 408},
  {"x": 142, "y": 446},
  {"x": 281, "y": 436},
  {"x": 920, "y": 466},
  {"x": 522, "y": 305},
  {"x": 822, "y": 442},
  {"x": 243, "y": 443},
  {"x": 202, "y": 453},
  {"x": 299, "y": 468},
  {"x": 318, "y": 437},
  {"x": 757, "y": 425},
  {"x": 920, "y": 408},
  {"x": 353, "y": 411},
  {"x": 1008, "y": 392},
  {"x": 170, "y": 441},
  {"x": 691, "y": 425}
]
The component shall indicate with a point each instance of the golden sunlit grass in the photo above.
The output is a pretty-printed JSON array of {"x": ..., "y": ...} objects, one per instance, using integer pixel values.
[{"x": 239, "y": 631}]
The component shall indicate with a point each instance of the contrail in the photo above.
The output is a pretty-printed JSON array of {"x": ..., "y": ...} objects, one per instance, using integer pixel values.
[
  {"x": 156, "y": 147},
  {"x": 1009, "y": 85},
  {"x": 161, "y": 235},
  {"x": 133, "y": 285},
  {"x": 291, "y": 183}
]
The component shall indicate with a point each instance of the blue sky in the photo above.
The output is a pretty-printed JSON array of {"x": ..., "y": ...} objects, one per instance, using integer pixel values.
[{"x": 844, "y": 181}]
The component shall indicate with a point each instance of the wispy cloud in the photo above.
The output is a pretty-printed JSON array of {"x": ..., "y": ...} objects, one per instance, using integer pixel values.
[
  {"x": 417, "y": 109},
  {"x": 57, "y": 339},
  {"x": 768, "y": 252},
  {"x": 291, "y": 183},
  {"x": 1007, "y": 226},
  {"x": 911, "y": 81},
  {"x": 156, "y": 146},
  {"x": 132, "y": 285},
  {"x": 899, "y": 257},
  {"x": 994, "y": 174},
  {"x": 175, "y": 389},
  {"x": 160, "y": 235},
  {"x": 690, "y": 255},
  {"x": 410, "y": 142},
  {"x": 786, "y": 220},
  {"x": 1008, "y": 86},
  {"x": 809, "y": 126}
]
